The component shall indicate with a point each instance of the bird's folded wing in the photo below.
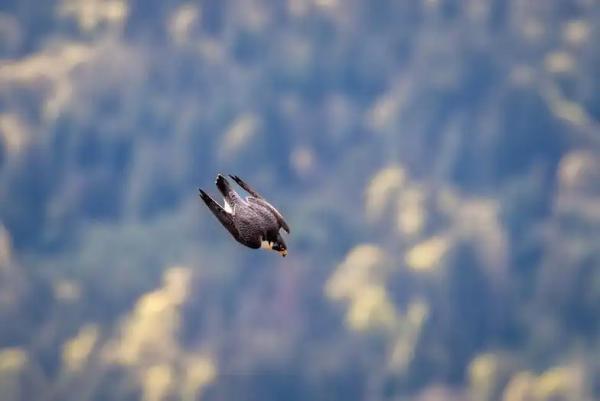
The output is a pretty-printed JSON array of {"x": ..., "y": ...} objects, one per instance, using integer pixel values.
[
  {"x": 224, "y": 217},
  {"x": 245, "y": 186},
  {"x": 278, "y": 216}
]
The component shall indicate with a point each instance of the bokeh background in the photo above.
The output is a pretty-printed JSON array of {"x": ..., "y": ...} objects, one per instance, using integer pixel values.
[{"x": 438, "y": 162}]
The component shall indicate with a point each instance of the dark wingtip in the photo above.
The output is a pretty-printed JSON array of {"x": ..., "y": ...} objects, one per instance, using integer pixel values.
[{"x": 203, "y": 196}]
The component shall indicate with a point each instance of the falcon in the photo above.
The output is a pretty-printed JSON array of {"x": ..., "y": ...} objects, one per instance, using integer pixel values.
[{"x": 253, "y": 221}]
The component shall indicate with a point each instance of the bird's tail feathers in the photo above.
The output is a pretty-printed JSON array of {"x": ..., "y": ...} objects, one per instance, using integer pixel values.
[
  {"x": 231, "y": 197},
  {"x": 223, "y": 185}
]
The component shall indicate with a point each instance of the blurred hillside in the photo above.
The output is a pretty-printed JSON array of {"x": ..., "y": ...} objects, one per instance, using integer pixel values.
[{"x": 438, "y": 162}]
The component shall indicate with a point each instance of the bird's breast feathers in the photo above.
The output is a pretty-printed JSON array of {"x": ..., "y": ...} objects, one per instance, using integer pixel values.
[{"x": 266, "y": 245}]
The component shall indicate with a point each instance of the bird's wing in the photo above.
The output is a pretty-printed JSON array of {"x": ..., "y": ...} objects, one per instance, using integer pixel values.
[
  {"x": 258, "y": 199},
  {"x": 264, "y": 203},
  {"x": 246, "y": 187},
  {"x": 224, "y": 217}
]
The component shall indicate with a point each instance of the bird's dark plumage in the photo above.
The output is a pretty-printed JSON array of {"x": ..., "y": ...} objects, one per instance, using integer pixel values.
[{"x": 253, "y": 221}]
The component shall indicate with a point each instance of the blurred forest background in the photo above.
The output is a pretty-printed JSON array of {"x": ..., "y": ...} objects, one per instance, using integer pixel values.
[{"x": 438, "y": 162}]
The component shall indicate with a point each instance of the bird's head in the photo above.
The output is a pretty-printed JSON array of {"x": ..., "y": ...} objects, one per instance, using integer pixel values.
[{"x": 278, "y": 246}]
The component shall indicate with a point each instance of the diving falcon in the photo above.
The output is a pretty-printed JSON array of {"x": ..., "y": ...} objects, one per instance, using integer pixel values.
[{"x": 253, "y": 221}]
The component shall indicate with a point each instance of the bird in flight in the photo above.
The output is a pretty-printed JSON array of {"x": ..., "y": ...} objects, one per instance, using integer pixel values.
[{"x": 253, "y": 221}]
